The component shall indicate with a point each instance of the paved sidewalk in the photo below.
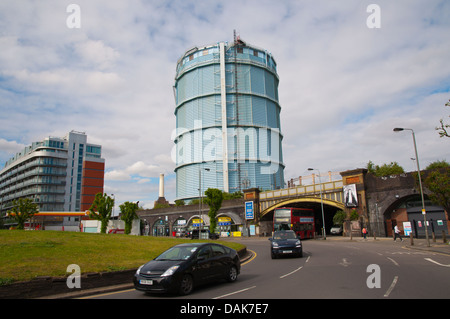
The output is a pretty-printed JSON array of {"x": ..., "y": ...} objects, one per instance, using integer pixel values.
[{"x": 417, "y": 243}]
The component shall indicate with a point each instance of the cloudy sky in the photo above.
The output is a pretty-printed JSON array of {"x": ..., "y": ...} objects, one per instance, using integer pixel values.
[{"x": 343, "y": 85}]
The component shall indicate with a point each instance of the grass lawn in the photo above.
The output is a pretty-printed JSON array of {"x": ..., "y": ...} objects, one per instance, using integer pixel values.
[{"x": 27, "y": 254}]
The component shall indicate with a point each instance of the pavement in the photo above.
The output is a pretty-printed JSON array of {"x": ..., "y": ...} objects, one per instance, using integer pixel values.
[{"x": 437, "y": 246}]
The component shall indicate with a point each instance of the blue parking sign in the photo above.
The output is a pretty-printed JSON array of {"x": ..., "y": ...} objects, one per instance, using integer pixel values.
[{"x": 249, "y": 214}]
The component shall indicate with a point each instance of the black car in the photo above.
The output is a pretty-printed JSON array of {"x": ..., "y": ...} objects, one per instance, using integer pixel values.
[
  {"x": 285, "y": 242},
  {"x": 203, "y": 234},
  {"x": 180, "y": 268}
]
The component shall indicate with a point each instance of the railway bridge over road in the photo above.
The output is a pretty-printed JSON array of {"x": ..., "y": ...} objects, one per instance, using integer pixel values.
[
  {"x": 381, "y": 203},
  {"x": 330, "y": 193}
]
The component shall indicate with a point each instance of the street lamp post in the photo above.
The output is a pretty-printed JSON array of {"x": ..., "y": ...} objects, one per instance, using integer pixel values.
[
  {"x": 113, "y": 210},
  {"x": 399, "y": 129},
  {"x": 200, "y": 195},
  {"x": 324, "y": 233}
]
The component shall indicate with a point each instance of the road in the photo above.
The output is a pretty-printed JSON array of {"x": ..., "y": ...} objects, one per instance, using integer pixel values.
[{"x": 329, "y": 270}]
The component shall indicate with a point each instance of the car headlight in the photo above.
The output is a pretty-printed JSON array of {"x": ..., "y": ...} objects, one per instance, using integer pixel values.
[
  {"x": 298, "y": 243},
  {"x": 274, "y": 244},
  {"x": 139, "y": 270},
  {"x": 170, "y": 271}
]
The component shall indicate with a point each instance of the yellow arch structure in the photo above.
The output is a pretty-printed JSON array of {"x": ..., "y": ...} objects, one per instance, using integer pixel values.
[{"x": 329, "y": 202}]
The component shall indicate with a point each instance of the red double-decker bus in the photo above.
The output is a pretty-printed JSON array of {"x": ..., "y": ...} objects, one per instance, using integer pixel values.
[{"x": 300, "y": 220}]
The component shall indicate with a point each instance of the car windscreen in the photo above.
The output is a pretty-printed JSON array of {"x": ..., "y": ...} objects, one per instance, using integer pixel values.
[
  {"x": 177, "y": 253},
  {"x": 284, "y": 235}
]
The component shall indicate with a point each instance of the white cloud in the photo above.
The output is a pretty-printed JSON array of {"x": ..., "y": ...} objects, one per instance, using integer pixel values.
[
  {"x": 11, "y": 147},
  {"x": 142, "y": 169},
  {"x": 97, "y": 54},
  {"x": 116, "y": 175},
  {"x": 139, "y": 169}
]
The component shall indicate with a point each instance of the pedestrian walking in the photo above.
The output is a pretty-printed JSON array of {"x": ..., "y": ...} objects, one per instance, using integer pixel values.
[
  {"x": 364, "y": 232},
  {"x": 397, "y": 233}
]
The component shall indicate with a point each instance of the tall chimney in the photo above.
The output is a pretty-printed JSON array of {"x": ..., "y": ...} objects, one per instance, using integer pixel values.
[{"x": 161, "y": 185}]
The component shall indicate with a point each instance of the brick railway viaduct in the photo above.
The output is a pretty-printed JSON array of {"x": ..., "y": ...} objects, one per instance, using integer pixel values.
[{"x": 382, "y": 202}]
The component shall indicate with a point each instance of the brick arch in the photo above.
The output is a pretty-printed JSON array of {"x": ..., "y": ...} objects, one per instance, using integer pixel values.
[
  {"x": 397, "y": 201},
  {"x": 393, "y": 215},
  {"x": 328, "y": 202}
]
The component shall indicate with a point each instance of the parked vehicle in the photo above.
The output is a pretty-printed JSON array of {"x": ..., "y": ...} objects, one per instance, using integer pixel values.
[
  {"x": 182, "y": 267},
  {"x": 203, "y": 234},
  {"x": 285, "y": 242},
  {"x": 336, "y": 230}
]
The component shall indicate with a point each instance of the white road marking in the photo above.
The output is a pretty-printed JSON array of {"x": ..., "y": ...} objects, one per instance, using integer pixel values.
[
  {"x": 345, "y": 263},
  {"x": 395, "y": 263},
  {"x": 235, "y": 292},
  {"x": 431, "y": 260},
  {"x": 394, "y": 282},
  {"x": 291, "y": 272}
]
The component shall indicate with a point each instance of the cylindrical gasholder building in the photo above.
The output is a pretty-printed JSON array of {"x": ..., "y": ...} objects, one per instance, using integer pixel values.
[{"x": 227, "y": 112}]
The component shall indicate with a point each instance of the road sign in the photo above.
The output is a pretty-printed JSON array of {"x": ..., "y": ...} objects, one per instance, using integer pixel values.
[
  {"x": 407, "y": 228},
  {"x": 249, "y": 213}
]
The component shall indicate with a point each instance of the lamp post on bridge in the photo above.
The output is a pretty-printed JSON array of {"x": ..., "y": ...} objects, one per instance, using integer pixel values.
[{"x": 324, "y": 233}]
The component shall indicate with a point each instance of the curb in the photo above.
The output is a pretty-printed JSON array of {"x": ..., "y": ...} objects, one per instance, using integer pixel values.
[
  {"x": 89, "y": 292},
  {"x": 444, "y": 250},
  {"x": 46, "y": 286}
]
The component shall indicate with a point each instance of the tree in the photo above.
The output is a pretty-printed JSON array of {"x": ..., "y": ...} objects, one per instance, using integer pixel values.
[
  {"x": 438, "y": 165},
  {"x": 214, "y": 198},
  {"x": 437, "y": 180},
  {"x": 194, "y": 201},
  {"x": 23, "y": 209},
  {"x": 354, "y": 214},
  {"x": 442, "y": 130},
  {"x": 371, "y": 168},
  {"x": 179, "y": 202},
  {"x": 128, "y": 214},
  {"x": 227, "y": 196},
  {"x": 101, "y": 210},
  {"x": 385, "y": 170},
  {"x": 339, "y": 217},
  {"x": 161, "y": 205}
]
